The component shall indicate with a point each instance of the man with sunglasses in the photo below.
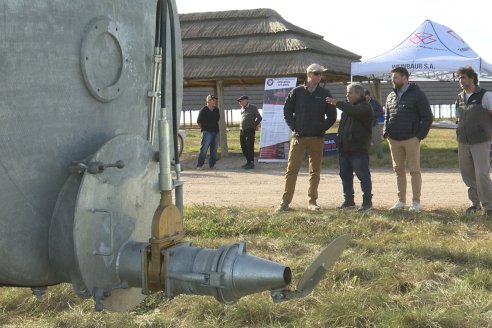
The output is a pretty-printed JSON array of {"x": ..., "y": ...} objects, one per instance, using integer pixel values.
[{"x": 308, "y": 116}]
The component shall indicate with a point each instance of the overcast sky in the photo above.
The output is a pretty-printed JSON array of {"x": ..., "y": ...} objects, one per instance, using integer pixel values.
[{"x": 369, "y": 28}]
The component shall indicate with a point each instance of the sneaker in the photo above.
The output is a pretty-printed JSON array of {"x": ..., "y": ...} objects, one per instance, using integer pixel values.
[
  {"x": 199, "y": 168},
  {"x": 399, "y": 205},
  {"x": 364, "y": 207},
  {"x": 415, "y": 207},
  {"x": 283, "y": 207},
  {"x": 473, "y": 209},
  {"x": 346, "y": 205},
  {"x": 249, "y": 166},
  {"x": 213, "y": 168},
  {"x": 314, "y": 207}
]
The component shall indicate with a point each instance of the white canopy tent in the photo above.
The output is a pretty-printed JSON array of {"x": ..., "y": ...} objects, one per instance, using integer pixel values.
[{"x": 432, "y": 51}]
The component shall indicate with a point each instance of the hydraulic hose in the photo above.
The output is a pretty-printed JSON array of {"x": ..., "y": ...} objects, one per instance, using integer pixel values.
[{"x": 174, "y": 84}]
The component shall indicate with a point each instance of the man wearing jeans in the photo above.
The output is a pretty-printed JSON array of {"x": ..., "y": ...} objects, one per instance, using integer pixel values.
[
  {"x": 208, "y": 121},
  {"x": 408, "y": 119},
  {"x": 474, "y": 132},
  {"x": 308, "y": 115},
  {"x": 353, "y": 141}
]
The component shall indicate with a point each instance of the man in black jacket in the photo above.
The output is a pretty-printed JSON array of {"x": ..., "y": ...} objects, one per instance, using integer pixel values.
[
  {"x": 208, "y": 121},
  {"x": 408, "y": 119},
  {"x": 353, "y": 141},
  {"x": 308, "y": 116},
  {"x": 250, "y": 121}
]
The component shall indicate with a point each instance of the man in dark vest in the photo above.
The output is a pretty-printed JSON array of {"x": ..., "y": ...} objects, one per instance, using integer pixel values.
[{"x": 474, "y": 132}]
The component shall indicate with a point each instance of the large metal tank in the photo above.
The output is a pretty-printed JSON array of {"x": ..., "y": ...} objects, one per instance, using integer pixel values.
[
  {"x": 74, "y": 74},
  {"x": 85, "y": 192}
]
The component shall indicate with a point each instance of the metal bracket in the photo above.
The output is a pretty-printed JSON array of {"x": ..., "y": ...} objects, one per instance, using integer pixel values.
[{"x": 314, "y": 272}]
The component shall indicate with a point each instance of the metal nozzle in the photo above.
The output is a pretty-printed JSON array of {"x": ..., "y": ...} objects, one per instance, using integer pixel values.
[{"x": 227, "y": 273}]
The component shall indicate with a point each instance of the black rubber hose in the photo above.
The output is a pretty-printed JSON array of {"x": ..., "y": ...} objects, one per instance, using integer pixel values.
[
  {"x": 174, "y": 80},
  {"x": 158, "y": 24},
  {"x": 163, "y": 43}
]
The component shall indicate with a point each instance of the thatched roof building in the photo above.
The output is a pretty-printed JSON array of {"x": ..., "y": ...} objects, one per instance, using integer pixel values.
[{"x": 241, "y": 47}]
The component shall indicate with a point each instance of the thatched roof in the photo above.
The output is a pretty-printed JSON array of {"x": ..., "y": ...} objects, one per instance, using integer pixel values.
[{"x": 245, "y": 46}]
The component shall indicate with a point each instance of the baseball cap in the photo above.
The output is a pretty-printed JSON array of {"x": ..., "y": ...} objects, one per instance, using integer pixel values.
[
  {"x": 316, "y": 68},
  {"x": 210, "y": 97}
]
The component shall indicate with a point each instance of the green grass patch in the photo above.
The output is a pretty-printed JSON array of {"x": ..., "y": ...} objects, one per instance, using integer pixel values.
[
  {"x": 438, "y": 150},
  {"x": 428, "y": 269}
]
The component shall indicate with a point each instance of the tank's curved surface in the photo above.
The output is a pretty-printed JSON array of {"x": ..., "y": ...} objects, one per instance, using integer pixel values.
[{"x": 74, "y": 74}]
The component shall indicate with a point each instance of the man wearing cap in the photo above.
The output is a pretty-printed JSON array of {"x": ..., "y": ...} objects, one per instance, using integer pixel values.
[
  {"x": 308, "y": 115},
  {"x": 250, "y": 120},
  {"x": 208, "y": 121}
]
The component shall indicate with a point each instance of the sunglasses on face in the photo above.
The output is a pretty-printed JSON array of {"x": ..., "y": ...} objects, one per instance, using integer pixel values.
[{"x": 316, "y": 73}]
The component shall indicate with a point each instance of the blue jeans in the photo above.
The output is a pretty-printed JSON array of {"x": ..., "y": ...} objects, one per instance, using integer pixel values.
[
  {"x": 358, "y": 164},
  {"x": 209, "y": 140}
]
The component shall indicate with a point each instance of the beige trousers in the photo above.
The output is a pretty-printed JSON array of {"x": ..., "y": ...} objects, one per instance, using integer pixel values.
[
  {"x": 314, "y": 147},
  {"x": 475, "y": 172},
  {"x": 406, "y": 153}
]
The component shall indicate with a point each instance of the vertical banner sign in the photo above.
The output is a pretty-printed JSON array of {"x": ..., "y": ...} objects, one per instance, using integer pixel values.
[{"x": 275, "y": 134}]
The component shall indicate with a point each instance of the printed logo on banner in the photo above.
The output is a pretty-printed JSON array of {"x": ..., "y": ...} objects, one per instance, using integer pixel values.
[{"x": 330, "y": 146}]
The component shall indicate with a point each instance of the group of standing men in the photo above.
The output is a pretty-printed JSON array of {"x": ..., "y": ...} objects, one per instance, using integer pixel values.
[
  {"x": 310, "y": 110},
  {"x": 208, "y": 121},
  {"x": 407, "y": 121}
]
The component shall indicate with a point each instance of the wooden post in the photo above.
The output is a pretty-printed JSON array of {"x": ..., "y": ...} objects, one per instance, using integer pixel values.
[
  {"x": 219, "y": 92},
  {"x": 374, "y": 87},
  {"x": 377, "y": 91}
]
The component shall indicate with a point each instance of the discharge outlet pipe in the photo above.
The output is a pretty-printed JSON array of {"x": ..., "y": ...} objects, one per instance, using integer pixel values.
[{"x": 227, "y": 273}]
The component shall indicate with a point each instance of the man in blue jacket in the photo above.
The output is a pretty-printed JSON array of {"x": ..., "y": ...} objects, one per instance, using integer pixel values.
[
  {"x": 408, "y": 119},
  {"x": 308, "y": 116}
]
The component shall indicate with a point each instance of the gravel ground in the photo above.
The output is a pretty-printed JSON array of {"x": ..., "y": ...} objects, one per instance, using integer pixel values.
[{"x": 262, "y": 187}]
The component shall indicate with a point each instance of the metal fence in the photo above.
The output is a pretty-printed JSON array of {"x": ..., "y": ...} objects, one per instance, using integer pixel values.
[{"x": 233, "y": 116}]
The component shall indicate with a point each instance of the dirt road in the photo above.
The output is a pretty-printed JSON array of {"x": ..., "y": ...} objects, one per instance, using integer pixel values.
[{"x": 262, "y": 187}]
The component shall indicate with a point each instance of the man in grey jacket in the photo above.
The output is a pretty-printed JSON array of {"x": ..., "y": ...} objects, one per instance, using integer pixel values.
[
  {"x": 308, "y": 115},
  {"x": 408, "y": 119},
  {"x": 250, "y": 121},
  {"x": 474, "y": 132}
]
